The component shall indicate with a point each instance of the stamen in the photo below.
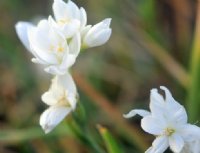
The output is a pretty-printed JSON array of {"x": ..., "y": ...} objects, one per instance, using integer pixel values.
[
  {"x": 62, "y": 22},
  {"x": 60, "y": 49},
  {"x": 169, "y": 131}
]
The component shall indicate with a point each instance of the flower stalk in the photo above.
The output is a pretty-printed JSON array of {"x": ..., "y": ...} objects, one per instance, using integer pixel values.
[{"x": 82, "y": 134}]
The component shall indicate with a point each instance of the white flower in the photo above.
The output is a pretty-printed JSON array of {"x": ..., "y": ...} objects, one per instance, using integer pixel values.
[
  {"x": 49, "y": 47},
  {"x": 69, "y": 17},
  {"x": 61, "y": 98},
  {"x": 168, "y": 122},
  {"x": 56, "y": 43},
  {"x": 97, "y": 35}
]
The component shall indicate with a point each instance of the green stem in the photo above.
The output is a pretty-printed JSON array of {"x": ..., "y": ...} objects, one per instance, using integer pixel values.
[
  {"x": 84, "y": 136},
  {"x": 79, "y": 127},
  {"x": 194, "y": 88},
  {"x": 111, "y": 144}
]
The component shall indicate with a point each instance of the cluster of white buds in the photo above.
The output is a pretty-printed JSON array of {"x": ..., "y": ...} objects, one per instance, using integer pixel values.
[
  {"x": 56, "y": 43},
  {"x": 167, "y": 120}
]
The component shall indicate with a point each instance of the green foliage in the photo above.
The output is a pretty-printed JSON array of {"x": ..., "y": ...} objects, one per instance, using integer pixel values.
[
  {"x": 111, "y": 144},
  {"x": 194, "y": 88}
]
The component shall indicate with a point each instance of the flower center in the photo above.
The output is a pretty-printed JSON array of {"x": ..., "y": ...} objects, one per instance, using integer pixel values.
[
  {"x": 63, "y": 100},
  {"x": 169, "y": 131},
  {"x": 59, "y": 48},
  {"x": 63, "y": 21}
]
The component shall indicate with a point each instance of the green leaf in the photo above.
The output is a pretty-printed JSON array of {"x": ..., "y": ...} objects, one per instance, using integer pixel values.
[
  {"x": 111, "y": 144},
  {"x": 12, "y": 136},
  {"x": 193, "y": 104}
]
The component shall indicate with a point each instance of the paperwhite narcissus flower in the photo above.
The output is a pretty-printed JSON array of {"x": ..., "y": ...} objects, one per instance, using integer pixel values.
[
  {"x": 56, "y": 43},
  {"x": 49, "y": 47},
  {"x": 69, "y": 17},
  {"x": 168, "y": 122},
  {"x": 61, "y": 98},
  {"x": 97, "y": 35}
]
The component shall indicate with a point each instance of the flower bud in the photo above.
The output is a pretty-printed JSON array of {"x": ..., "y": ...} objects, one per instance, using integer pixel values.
[{"x": 98, "y": 35}]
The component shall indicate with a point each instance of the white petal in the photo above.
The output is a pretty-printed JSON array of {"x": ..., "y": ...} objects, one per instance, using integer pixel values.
[
  {"x": 43, "y": 57},
  {"x": 134, "y": 112},
  {"x": 191, "y": 147},
  {"x": 74, "y": 10},
  {"x": 107, "y": 22},
  {"x": 61, "y": 10},
  {"x": 99, "y": 26},
  {"x": 72, "y": 99},
  {"x": 190, "y": 132},
  {"x": 150, "y": 150},
  {"x": 37, "y": 58},
  {"x": 54, "y": 70},
  {"x": 159, "y": 145},
  {"x": 71, "y": 28},
  {"x": 75, "y": 45},
  {"x": 180, "y": 116},
  {"x": 187, "y": 148},
  {"x": 67, "y": 82},
  {"x": 40, "y": 44},
  {"x": 68, "y": 61},
  {"x": 52, "y": 21},
  {"x": 38, "y": 61},
  {"x": 153, "y": 125},
  {"x": 52, "y": 117},
  {"x": 101, "y": 38},
  {"x": 62, "y": 92},
  {"x": 171, "y": 102},
  {"x": 39, "y": 36},
  {"x": 22, "y": 32},
  {"x": 70, "y": 87},
  {"x": 49, "y": 98},
  {"x": 53, "y": 95},
  {"x": 157, "y": 104},
  {"x": 173, "y": 107},
  {"x": 83, "y": 17},
  {"x": 176, "y": 143},
  {"x": 85, "y": 30},
  {"x": 196, "y": 146}
]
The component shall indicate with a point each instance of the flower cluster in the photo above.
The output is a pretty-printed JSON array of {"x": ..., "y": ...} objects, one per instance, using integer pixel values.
[
  {"x": 55, "y": 43},
  {"x": 167, "y": 120}
]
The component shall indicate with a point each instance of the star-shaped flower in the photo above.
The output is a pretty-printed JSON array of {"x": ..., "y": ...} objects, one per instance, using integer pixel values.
[
  {"x": 167, "y": 120},
  {"x": 49, "y": 47},
  {"x": 61, "y": 98}
]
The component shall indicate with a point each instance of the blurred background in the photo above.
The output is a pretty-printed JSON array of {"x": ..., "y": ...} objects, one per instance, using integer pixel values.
[{"x": 151, "y": 45}]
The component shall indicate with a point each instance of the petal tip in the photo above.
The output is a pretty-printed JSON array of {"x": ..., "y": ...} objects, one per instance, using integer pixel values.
[
  {"x": 108, "y": 21},
  {"x": 126, "y": 116},
  {"x": 129, "y": 114}
]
